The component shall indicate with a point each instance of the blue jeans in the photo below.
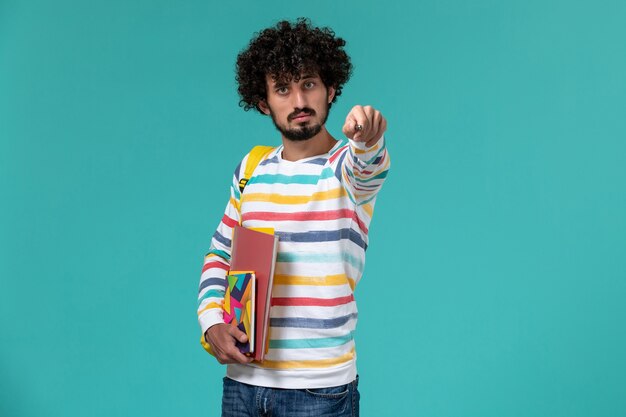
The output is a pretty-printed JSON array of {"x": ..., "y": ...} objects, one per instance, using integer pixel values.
[{"x": 243, "y": 400}]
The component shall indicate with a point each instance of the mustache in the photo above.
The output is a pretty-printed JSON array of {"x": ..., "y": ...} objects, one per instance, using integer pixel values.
[{"x": 301, "y": 112}]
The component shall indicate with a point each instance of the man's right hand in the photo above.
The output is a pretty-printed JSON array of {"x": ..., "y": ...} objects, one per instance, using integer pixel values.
[{"x": 222, "y": 338}]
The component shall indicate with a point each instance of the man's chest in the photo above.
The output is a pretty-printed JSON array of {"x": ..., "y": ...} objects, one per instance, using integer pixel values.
[{"x": 310, "y": 194}]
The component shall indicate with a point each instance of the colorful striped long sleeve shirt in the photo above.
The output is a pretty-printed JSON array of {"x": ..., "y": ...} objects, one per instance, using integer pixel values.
[{"x": 321, "y": 208}]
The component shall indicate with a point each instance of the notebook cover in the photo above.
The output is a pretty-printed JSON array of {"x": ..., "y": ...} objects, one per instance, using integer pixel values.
[
  {"x": 256, "y": 251},
  {"x": 238, "y": 308}
]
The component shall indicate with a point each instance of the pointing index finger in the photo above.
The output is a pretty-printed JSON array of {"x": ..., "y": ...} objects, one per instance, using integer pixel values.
[{"x": 349, "y": 128}]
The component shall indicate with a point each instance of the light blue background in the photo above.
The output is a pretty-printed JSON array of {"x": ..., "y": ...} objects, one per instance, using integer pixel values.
[{"x": 496, "y": 274}]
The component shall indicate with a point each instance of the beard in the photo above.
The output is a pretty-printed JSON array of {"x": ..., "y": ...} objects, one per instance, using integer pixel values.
[{"x": 305, "y": 130}]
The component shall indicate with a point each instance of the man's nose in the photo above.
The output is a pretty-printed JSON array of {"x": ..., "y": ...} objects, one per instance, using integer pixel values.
[{"x": 300, "y": 100}]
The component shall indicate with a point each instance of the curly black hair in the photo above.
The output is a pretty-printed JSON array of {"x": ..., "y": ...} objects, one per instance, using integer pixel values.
[{"x": 285, "y": 52}]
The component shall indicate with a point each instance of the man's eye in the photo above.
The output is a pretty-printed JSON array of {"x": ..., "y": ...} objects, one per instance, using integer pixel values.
[
  {"x": 282, "y": 90},
  {"x": 309, "y": 84}
]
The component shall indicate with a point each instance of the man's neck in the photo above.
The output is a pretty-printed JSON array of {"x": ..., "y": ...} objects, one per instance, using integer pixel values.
[{"x": 294, "y": 150}]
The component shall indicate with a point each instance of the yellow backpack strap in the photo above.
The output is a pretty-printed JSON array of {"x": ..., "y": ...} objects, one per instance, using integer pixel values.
[
  {"x": 206, "y": 345},
  {"x": 257, "y": 154}
]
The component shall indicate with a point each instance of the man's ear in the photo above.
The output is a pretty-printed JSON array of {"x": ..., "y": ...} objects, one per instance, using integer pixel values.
[
  {"x": 262, "y": 105},
  {"x": 331, "y": 94}
]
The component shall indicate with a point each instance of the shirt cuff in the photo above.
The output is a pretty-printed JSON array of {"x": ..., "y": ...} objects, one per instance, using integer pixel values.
[
  {"x": 210, "y": 318},
  {"x": 365, "y": 154}
]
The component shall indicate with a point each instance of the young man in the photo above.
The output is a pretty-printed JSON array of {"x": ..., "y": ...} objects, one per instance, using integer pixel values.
[{"x": 318, "y": 194}]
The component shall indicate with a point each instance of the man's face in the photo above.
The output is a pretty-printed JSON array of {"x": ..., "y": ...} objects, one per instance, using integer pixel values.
[{"x": 299, "y": 109}]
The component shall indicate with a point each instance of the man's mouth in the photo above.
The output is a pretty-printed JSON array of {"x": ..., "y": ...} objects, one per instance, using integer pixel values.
[{"x": 301, "y": 117}]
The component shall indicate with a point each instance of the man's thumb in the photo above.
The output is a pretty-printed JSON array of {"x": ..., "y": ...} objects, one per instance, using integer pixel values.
[{"x": 239, "y": 335}]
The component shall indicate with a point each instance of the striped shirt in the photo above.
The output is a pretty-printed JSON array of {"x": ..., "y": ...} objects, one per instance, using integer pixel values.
[{"x": 320, "y": 207}]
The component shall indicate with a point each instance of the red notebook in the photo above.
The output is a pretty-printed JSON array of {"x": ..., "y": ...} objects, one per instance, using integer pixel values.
[{"x": 256, "y": 251}]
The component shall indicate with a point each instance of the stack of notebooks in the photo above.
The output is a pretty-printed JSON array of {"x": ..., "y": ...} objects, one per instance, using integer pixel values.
[{"x": 249, "y": 287}]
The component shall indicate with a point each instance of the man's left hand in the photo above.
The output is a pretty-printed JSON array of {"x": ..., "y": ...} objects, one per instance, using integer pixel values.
[{"x": 365, "y": 124}]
